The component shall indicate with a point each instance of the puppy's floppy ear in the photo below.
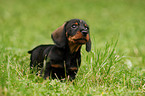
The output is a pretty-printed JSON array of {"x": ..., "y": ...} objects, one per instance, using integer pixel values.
[
  {"x": 88, "y": 46},
  {"x": 59, "y": 36}
]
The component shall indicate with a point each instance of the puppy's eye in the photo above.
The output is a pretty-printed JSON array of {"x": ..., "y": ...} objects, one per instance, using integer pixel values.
[{"x": 74, "y": 26}]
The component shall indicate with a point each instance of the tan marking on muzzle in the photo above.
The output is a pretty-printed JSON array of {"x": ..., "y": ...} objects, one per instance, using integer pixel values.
[{"x": 78, "y": 38}]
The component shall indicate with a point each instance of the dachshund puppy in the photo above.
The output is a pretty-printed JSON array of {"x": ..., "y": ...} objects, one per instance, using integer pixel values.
[{"x": 62, "y": 59}]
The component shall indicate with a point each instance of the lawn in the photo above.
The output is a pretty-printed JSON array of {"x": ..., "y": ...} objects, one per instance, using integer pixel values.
[{"x": 115, "y": 65}]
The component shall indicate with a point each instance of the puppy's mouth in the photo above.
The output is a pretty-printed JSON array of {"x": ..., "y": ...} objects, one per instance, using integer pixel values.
[{"x": 80, "y": 39}]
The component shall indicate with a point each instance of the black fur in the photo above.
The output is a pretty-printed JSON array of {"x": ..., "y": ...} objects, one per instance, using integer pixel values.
[{"x": 63, "y": 59}]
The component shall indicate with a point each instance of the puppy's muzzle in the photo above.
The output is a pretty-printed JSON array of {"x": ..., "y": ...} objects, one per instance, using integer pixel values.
[{"x": 84, "y": 33}]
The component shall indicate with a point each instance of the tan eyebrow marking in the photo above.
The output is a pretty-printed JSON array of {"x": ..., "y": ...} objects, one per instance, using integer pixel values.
[{"x": 76, "y": 23}]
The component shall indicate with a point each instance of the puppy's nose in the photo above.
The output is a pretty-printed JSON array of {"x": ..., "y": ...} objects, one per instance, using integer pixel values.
[{"x": 84, "y": 32}]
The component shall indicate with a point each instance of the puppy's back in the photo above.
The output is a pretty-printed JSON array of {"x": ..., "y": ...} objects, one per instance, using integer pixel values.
[
  {"x": 39, "y": 48},
  {"x": 37, "y": 54}
]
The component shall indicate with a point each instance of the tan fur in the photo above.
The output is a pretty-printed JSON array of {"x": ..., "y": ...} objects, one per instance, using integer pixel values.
[
  {"x": 56, "y": 66},
  {"x": 73, "y": 68}
]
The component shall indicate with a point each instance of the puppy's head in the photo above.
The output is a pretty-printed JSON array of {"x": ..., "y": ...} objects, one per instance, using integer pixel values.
[{"x": 75, "y": 31}]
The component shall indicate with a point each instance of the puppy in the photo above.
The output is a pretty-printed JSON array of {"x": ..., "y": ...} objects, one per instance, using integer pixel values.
[{"x": 63, "y": 59}]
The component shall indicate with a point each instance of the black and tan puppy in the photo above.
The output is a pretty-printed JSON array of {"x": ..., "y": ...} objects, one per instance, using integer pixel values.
[{"x": 63, "y": 59}]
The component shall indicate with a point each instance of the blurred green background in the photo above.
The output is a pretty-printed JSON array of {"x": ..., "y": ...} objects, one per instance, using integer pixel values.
[{"x": 25, "y": 24}]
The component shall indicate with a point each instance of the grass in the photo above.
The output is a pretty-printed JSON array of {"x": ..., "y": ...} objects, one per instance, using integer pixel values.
[{"x": 115, "y": 65}]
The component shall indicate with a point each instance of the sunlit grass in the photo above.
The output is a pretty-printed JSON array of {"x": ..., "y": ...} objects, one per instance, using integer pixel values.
[{"x": 115, "y": 65}]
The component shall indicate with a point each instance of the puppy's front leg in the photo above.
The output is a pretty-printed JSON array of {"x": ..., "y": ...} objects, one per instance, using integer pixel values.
[{"x": 45, "y": 71}]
